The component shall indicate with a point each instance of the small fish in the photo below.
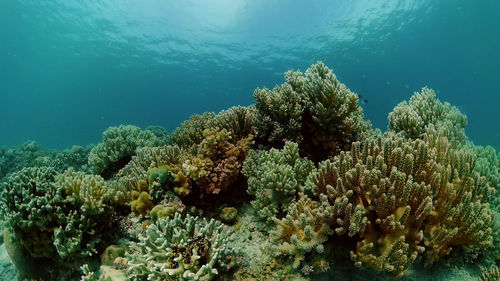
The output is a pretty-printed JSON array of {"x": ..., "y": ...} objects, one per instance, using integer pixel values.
[{"x": 362, "y": 100}]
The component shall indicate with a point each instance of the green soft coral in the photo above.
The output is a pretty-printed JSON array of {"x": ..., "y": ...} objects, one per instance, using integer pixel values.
[
  {"x": 424, "y": 113},
  {"x": 313, "y": 109},
  {"x": 118, "y": 146},
  {"x": 275, "y": 178},
  {"x": 59, "y": 219},
  {"x": 397, "y": 198}
]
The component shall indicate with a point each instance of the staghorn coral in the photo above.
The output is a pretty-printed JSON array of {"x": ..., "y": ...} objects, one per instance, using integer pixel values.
[
  {"x": 400, "y": 198},
  {"x": 75, "y": 157},
  {"x": 487, "y": 165},
  {"x": 117, "y": 148},
  {"x": 31, "y": 154},
  {"x": 87, "y": 226},
  {"x": 313, "y": 109},
  {"x": 160, "y": 132},
  {"x": 387, "y": 201},
  {"x": 180, "y": 248},
  {"x": 275, "y": 178},
  {"x": 279, "y": 115},
  {"x": 30, "y": 204},
  {"x": 425, "y": 113},
  {"x": 237, "y": 120}
]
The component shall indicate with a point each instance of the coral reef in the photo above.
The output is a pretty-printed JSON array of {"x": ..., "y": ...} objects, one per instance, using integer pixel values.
[
  {"x": 237, "y": 120},
  {"x": 29, "y": 154},
  {"x": 295, "y": 187},
  {"x": 228, "y": 214},
  {"x": 398, "y": 198},
  {"x": 313, "y": 109},
  {"x": 424, "y": 113},
  {"x": 180, "y": 248},
  {"x": 491, "y": 274},
  {"x": 275, "y": 178},
  {"x": 55, "y": 219},
  {"x": 118, "y": 146}
]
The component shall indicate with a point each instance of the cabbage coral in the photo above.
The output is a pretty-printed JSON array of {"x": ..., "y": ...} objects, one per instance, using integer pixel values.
[{"x": 313, "y": 109}]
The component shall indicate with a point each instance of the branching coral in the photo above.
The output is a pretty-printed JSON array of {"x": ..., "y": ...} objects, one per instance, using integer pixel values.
[
  {"x": 190, "y": 132},
  {"x": 59, "y": 220},
  {"x": 323, "y": 187},
  {"x": 490, "y": 274},
  {"x": 237, "y": 120},
  {"x": 30, "y": 206},
  {"x": 180, "y": 248},
  {"x": 313, "y": 109},
  {"x": 425, "y": 113},
  {"x": 219, "y": 161},
  {"x": 275, "y": 178},
  {"x": 29, "y": 154},
  {"x": 117, "y": 148},
  {"x": 303, "y": 231},
  {"x": 401, "y": 198},
  {"x": 147, "y": 158}
]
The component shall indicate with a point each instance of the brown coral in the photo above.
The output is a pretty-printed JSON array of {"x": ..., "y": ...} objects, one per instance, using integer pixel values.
[{"x": 399, "y": 198}]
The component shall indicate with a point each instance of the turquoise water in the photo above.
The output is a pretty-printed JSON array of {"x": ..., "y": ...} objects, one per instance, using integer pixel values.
[
  {"x": 70, "y": 69},
  {"x": 290, "y": 185}
]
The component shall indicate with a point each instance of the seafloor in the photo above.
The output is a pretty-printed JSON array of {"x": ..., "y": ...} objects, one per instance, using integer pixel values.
[{"x": 297, "y": 186}]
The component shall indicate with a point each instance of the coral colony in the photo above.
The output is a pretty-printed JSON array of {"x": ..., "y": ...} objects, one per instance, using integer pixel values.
[{"x": 289, "y": 188}]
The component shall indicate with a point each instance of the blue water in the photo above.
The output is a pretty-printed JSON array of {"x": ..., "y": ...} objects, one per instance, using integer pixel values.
[{"x": 70, "y": 69}]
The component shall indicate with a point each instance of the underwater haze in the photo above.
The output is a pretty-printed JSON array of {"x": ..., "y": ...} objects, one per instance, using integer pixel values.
[
  {"x": 70, "y": 69},
  {"x": 249, "y": 140}
]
